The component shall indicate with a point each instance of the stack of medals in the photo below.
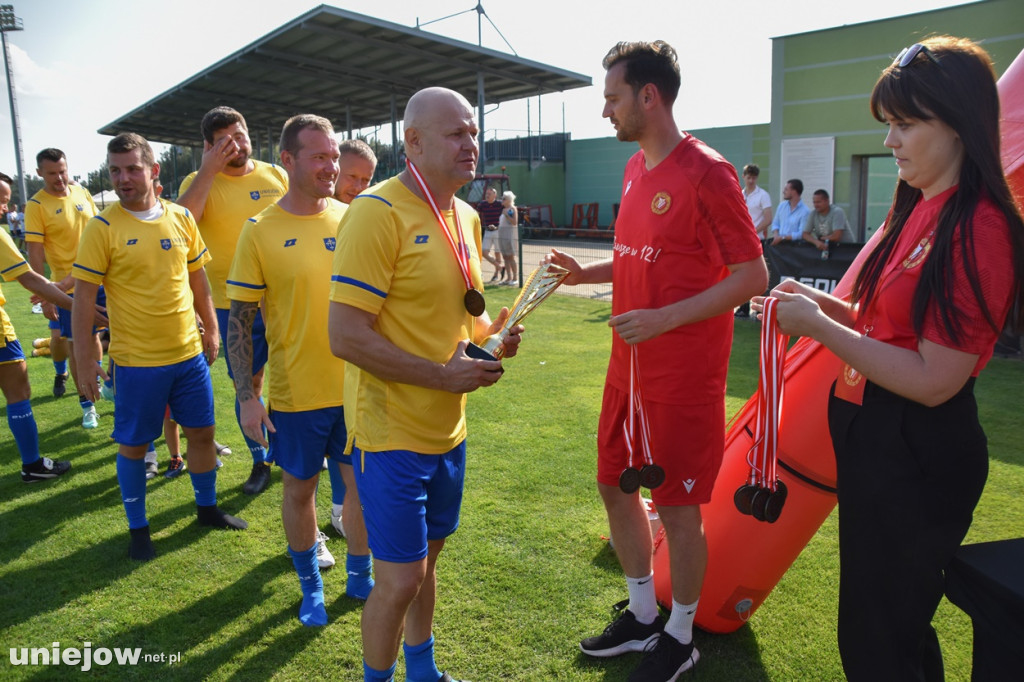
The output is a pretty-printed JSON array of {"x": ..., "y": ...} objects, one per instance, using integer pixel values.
[{"x": 636, "y": 427}]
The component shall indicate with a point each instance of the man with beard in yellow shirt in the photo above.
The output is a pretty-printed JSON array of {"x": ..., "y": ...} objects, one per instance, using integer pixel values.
[{"x": 229, "y": 188}]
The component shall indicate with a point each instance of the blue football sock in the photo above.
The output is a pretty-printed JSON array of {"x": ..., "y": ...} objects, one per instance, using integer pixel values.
[
  {"x": 26, "y": 434},
  {"x": 360, "y": 582},
  {"x": 259, "y": 453},
  {"x": 131, "y": 476},
  {"x": 371, "y": 675},
  {"x": 419, "y": 662},
  {"x": 337, "y": 482},
  {"x": 84, "y": 404},
  {"x": 60, "y": 366},
  {"x": 312, "y": 611},
  {"x": 205, "y": 487}
]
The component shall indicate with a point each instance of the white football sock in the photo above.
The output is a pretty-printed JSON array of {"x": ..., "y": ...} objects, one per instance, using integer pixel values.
[
  {"x": 642, "y": 601},
  {"x": 680, "y": 623}
]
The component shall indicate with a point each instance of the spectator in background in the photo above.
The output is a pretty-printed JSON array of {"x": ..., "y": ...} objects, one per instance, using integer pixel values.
[
  {"x": 759, "y": 204},
  {"x": 490, "y": 212},
  {"x": 508, "y": 237},
  {"x": 788, "y": 224},
  {"x": 16, "y": 223},
  {"x": 826, "y": 223}
]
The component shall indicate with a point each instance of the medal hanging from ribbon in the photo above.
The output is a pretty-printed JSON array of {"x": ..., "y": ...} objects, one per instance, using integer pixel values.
[
  {"x": 763, "y": 495},
  {"x": 638, "y": 438},
  {"x": 473, "y": 300}
]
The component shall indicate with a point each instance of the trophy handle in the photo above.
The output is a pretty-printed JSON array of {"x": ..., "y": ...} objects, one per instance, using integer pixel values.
[
  {"x": 537, "y": 287},
  {"x": 478, "y": 353},
  {"x": 493, "y": 345}
]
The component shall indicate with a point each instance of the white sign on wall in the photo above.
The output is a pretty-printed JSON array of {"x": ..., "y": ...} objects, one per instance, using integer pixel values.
[{"x": 812, "y": 160}]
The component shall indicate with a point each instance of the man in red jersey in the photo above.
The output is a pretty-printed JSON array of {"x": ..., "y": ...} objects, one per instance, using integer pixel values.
[{"x": 686, "y": 254}]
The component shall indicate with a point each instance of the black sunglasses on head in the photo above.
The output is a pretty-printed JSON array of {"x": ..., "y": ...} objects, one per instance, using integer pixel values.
[{"x": 908, "y": 54}]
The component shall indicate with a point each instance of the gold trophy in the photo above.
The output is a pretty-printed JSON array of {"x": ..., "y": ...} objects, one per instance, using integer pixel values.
[{"x": 539, "y": 285}]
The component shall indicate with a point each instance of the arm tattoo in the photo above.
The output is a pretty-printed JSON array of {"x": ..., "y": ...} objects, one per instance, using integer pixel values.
[{"x": 240, "y": 352}]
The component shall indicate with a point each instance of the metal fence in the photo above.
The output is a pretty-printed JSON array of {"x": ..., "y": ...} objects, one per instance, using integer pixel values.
[{"x": 532, "y": 250}]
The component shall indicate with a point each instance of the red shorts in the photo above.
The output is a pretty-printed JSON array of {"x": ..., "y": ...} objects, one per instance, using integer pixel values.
[{"x": 687, "y": 441}]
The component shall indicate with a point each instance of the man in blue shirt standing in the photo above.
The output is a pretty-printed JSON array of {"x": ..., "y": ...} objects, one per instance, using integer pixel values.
[{"x": 788, "y": 224}]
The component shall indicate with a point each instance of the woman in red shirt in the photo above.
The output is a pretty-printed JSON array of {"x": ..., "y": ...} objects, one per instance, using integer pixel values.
[{"x": 926, "y": 310}]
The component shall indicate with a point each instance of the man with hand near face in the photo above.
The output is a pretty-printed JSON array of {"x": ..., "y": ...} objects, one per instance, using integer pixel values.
[{"x": 229, "y": 188}]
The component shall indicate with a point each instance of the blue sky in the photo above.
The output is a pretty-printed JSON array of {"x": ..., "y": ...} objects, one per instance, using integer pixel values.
[{"x": 80, "y": 65}]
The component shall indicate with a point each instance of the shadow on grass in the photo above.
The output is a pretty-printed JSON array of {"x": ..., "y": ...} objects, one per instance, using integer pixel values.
[
  {"x": 62, "y": 500},
  {"x": 606, "y": 559},
  {"x": 64, "y": 574},
  {"x": 182, "y": 631}
]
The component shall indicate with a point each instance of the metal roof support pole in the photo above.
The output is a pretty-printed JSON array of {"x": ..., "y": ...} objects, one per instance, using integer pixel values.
[
  {"x": 255, "y": 138},
  {"x": 394, "y": 133},
  {"x": 348, "y": 120},
  {"x": 540, "y": 132},
  {"x": 529, "y": 137},
  {"x": 481, "y": 165}
]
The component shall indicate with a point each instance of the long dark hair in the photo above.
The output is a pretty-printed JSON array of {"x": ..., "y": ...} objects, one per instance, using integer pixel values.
[{"x": 951, "y": 80}]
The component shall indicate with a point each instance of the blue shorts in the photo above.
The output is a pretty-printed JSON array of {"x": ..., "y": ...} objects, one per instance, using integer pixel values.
[
  {"x": 259, "y": 341},
  {"x": 408, "y": 499},
  {"x": 142, "y": 394},
  {"x": 64, "y": 316},
  {"x": 304, "y": 438},
  {"x": 12, "y": 352}
]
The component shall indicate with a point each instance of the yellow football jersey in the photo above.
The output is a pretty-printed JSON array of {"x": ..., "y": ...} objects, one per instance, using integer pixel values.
[
  {"x": 144, "y": 266},
  {"x": 286, "y": 260},
  {"x": 393, "y": 261},
  {"x": 231, "y": 202},
  {"x": 57, "y": 223},
  {"x": 12, "y": 266}
]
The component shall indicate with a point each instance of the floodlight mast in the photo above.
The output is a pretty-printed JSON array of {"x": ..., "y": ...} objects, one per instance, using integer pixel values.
[{"x": 10, "y": 22}]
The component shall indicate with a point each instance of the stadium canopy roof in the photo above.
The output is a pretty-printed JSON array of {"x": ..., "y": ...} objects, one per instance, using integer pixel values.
[{"x": 356, "y": 70}]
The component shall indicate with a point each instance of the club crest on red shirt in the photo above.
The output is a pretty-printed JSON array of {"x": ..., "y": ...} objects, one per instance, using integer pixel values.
[
  {"x": 919, "y": 253},
  {"x": 661, "y": 203}
]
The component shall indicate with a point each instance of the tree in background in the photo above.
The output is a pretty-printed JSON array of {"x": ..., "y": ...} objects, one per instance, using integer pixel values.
[{"x": 32, "y": 185}]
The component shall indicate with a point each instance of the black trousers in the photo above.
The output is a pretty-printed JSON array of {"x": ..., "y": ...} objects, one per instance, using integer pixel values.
[{"x": 909, "y": 477}]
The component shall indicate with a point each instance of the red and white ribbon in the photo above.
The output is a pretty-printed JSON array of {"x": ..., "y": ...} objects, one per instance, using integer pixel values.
[
  {"x": 635, "y": 425},
  {"x": 460, "y": 250},
  {"x": 763, "y": 455}
]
